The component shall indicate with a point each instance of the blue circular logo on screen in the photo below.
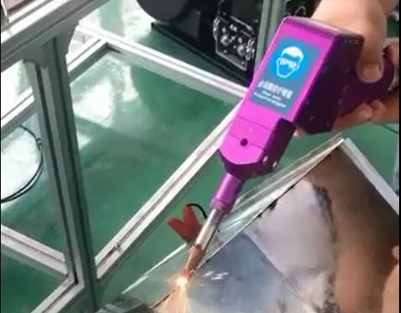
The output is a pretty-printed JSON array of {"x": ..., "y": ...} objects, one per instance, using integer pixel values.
[{"x": 290, "y": 61}]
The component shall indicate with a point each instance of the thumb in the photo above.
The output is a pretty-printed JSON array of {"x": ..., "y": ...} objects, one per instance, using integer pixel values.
[{"x": 370, "y": 66}]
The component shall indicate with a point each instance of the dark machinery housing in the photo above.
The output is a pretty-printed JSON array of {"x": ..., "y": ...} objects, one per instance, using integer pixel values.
[{"x": 224, "y": 31}]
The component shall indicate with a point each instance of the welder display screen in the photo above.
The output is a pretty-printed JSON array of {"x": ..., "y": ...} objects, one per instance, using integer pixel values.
[{"x": 285, "y": 74}]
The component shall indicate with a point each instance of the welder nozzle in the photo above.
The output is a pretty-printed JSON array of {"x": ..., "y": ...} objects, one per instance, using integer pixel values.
[
  {"x": 205, "y": 238},
  {"x": 196, "y": 255}
]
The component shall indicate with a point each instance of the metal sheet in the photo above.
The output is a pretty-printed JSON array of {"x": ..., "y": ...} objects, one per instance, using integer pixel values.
[{"x": 324, "y": 246}]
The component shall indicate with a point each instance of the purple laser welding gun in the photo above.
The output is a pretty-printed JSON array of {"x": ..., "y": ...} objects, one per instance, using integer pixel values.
[{"x": 306, "y": 80}]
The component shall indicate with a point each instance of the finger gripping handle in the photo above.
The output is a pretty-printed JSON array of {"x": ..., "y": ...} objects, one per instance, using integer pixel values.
[{"x": 357, "y": 92}]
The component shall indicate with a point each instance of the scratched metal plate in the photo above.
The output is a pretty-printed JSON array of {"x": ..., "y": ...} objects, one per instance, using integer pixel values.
[{"x": 324, "y": 247}]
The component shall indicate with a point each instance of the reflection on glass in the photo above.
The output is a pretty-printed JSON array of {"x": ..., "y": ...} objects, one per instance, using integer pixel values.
[
  {"x": 323, "y": 247},
  {"x": 22, "y": 287}
]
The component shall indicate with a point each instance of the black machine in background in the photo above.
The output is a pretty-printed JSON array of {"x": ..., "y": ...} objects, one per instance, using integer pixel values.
[{"x": 223, "y": 31}]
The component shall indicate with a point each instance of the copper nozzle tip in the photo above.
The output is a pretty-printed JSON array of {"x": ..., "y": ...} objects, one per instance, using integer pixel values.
[{"x": 196, "y": 255}]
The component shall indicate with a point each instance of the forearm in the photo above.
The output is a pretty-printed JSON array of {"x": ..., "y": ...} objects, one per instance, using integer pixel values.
[{"x": 386, "y": 5}]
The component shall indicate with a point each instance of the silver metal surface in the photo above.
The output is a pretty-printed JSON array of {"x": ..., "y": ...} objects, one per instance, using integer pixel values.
[
  {"x": 78, "y": 63},
  {"x": 255, "y": 201},
  {"x": 174, "y": 69},
  {"x": 324, "y": 246},
  {"x": 51, "y": 88},
  {"x": 41, "y": 25},
  {"x": 33, "y": 253}
]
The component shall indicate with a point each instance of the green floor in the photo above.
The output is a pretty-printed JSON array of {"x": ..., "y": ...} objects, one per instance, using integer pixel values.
[{"x": 134, "y": 130}]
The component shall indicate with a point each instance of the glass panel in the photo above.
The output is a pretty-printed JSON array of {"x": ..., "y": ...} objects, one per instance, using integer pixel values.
[
  {"x": 30, "y": 208},
  {"x": 14, "y": 82},
  {"x": 135, "y": 129},
  {"x": 325, "y": 246},
  {"x": 22, "y": 287}
]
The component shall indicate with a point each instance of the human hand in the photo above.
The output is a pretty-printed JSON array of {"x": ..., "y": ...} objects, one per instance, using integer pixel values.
[
  {"x": 379, "y": 111},
  {"x": 391, "y": 296},
  {"x": 367, "y": 18}
]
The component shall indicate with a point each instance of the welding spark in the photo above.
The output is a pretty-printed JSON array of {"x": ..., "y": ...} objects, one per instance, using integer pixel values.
[
  {"x": 182, "y": 282},
  {"x": 177, "y": 300}
]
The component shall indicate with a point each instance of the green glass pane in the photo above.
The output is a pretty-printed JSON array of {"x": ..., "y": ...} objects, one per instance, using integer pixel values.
[{"x": 22, "y": 287}]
